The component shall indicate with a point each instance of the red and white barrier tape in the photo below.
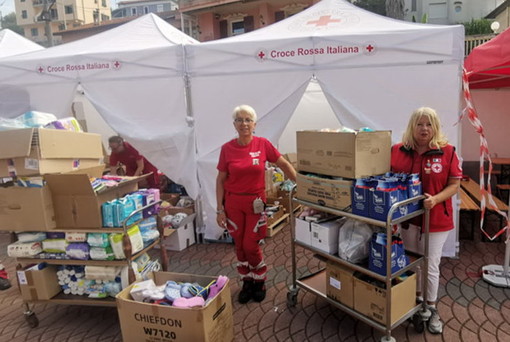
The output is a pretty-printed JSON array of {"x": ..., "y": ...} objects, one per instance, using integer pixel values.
[{"x": 485, "y": 191}]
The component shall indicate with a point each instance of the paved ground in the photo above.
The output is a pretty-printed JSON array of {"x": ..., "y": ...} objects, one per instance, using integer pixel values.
[{"x": 472, "y": 310}]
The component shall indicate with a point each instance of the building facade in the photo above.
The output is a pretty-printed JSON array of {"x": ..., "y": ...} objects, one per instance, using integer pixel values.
[
  {"x": 35, "y": 17},
  {"x": 448, "y": 12},
  {"x": 209, "y": 20},
  {"x": 141, "y": 7}
]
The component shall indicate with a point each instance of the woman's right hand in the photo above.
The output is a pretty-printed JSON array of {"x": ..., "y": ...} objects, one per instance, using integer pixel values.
[{"x": 221, "y": 219}]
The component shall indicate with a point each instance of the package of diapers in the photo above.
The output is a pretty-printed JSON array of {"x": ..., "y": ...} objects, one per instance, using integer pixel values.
[
  {"x": 102, "y": 253},
  {"x": 108, "y": 273},
  {"x": 78, "y": 250},
  {"x": 24, "y": 249},
  {"x": 54, "y": 245},
  {"x": 31, "y": 236},
  {"x": 98, "y": 239},
  {"x": 136, "y": 239},
  {"x": 116, "y": 244},
  {"x": 76, "y": 237},
  {"x": 107, "y": 214}
]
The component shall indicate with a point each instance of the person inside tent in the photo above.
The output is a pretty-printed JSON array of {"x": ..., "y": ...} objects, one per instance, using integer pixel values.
[
  {"x": 425, "y": 150},
  {"x": 126, "y": 159},
  {"x": 240, "y": 195}
]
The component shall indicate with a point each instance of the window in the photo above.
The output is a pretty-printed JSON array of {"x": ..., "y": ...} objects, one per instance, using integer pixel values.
[
  {"x": 53, "y": 14},
  {"x": 133, "y": 11},
  {"x": 24, "y": 14},
  {"x": 237, "y": 27},
  {"x": 68, "y": 9},
  {"x": 413, "y": 5},
  {"x": 61, "y": 27},
  {"x": 437, "y": 10},
  {"x": 22, "y": 0},
  {"x": 103, "y": 3},
  {"x": 145, "y": 10},
  {"x": 34, "y": 32},
  {"x": 160, "y": 8}
]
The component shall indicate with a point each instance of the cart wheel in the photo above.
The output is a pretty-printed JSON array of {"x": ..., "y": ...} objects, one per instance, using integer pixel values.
[
  {"x": 31, "y": 319},
  {"x": 419, "y": 323},
  {"x": 292, "y": 298},
  {"x": 388, "y": 339}
]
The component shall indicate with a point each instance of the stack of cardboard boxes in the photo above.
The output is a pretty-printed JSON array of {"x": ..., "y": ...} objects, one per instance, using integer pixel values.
[{"x": 328, "y": 164}]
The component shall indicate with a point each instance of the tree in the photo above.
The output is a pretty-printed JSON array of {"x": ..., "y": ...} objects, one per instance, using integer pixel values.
[
  {"x": 395, "y": 9},
  {"x": 9, "y": 22},
  {"x": 478, "y": 26}
]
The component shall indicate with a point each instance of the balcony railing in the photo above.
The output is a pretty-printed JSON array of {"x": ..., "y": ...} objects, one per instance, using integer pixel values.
[
  {"x": 471, "y": 42},
  {"x": 186, "y": 5}
]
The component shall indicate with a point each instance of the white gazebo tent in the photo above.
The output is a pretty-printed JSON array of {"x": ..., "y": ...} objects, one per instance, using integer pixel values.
[
  {"x": 133, "y": 75},
  {"x": 373, "y": 70}
]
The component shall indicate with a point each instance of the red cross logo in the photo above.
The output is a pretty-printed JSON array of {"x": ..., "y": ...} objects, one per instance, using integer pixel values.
[
  {"x": 116, "y": 65},
  {"x": 369, "y": 48},
  {"x": 323, "y": 21},
  {"x": 437, "y": 168},
  {"x": 261, "y": 55},
  {"x": 40, "y": 69}
]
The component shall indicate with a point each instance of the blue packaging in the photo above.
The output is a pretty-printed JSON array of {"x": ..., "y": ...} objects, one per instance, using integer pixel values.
[
  {"x": 107, "y": 214},
  {"x": 360, "y": 197},
  {"x": 377, "y": 255},
  {"x": 383, "y": 197}
]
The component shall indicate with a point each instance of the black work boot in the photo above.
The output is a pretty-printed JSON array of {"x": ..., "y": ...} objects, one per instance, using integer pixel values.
[
  {"x": 4, "y": 284},
  {"x": 246, "y": 292},
  {"x": 259, "y": 291}
]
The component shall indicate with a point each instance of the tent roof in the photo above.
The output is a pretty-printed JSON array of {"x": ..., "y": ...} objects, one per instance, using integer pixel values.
[
  {"x": 488, "y": 65},
  {"x": 12, "y": 43},
  {"x": 329, "y": 18},
  {"x": 144, "y": 33}
]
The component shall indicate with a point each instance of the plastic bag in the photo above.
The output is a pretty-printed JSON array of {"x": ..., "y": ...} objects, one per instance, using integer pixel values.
[{"x": 354, "y": 241}]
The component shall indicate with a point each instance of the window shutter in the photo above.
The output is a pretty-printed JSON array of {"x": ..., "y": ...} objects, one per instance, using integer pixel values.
[
  {"x": 249, "y": 24},
  {"x": 223, "y": 29},
  {"x": 280, "y": 15}
]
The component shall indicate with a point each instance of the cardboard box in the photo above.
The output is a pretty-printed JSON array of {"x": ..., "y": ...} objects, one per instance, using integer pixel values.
[
  {"x": 340, "y": 283},
  {"x": 38, "y": 284},
  {"x": 326, "y": 192},
  {"x": 303, "y": 231},
  {"x": 35, "y": 151},
  {"x": 344, "y": 154},
  {"x": 370, "y": 299},
  {"x": 26, "y": 209},
  {"x": 292, "y": 159},
  {"x": 325, "y": 236},
  {"x": 75, "y": 202},
  {"x": 182, "y": 237},
  {"x": 171, "y": 198},
  {"x": 143, "y": 322}
]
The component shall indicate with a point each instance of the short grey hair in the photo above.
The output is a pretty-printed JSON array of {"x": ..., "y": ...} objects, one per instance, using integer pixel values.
[{"x": 245, "y": 109}]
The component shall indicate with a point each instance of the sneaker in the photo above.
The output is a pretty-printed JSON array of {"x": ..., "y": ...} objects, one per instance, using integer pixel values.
[
  {"x": 4, "y": 284},
  {"x": 259, "y": 291},
  {"x": 246, "y": 292},
  {"x": 435, "y": 325}
]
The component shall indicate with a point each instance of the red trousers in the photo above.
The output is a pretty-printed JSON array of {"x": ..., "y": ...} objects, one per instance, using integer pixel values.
[{"x": 247, "y": 229}]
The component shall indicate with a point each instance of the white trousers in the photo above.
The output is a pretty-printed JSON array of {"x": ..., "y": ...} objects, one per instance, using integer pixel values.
[{"x": 414, "y": 241}]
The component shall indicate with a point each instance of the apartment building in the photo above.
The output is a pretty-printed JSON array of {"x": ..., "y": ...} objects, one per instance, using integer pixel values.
[
  {"x": 448, "y": 12},
  {"x": 33, "y": 16},
  {"x": 209, "y": 20},
  {"x": 140, "y": 7}
]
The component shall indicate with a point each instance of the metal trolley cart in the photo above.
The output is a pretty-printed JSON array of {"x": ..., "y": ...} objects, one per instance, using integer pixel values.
[
  {"x": 419, "y": 313},
  {"x": 70, "y": 299}
]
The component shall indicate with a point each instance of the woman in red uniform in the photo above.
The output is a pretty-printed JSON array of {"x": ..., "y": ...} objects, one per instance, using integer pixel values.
[
  {"x": 240, "y": 182},
  {"x": 123, "y": 154},
  {"x": 425, "y": 150}
]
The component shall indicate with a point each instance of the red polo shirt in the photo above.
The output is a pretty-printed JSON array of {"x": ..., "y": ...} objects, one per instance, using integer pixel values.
[
  {"x": 245, "y": 165},
  {"x": 128, "y": 157},
  {"x": 435, "y": 168}
]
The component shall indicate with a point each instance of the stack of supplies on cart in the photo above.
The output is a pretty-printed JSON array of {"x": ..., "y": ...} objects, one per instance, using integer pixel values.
[
  {"x": 91, "y": 281},
  {"x": 373, "y": 196}
]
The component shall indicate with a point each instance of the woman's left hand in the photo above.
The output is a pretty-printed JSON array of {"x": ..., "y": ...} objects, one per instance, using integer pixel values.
[{"x": 429, "y": 202}]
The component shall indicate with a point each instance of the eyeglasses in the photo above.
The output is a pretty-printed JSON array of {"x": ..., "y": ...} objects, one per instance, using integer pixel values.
[{"x": 240, "y": 120}]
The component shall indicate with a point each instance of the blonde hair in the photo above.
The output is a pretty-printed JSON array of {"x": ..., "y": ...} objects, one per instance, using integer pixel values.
[
  {"x": 245, "y": 109},
  {"x": 438, "y": 138}
]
